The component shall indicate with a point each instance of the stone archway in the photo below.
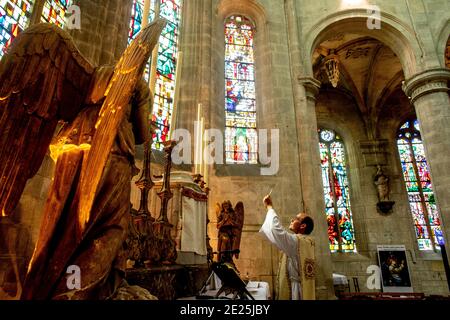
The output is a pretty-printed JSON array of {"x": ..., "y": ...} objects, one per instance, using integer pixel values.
[
  {"x": 393, "y": 33},
  {"x": 443, "y": 45},
  {"x": 447, "y": 53}
]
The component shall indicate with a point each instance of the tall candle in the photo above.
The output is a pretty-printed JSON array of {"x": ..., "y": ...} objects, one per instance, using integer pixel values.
[
  {"x": 198, "y": 140},
  {"x": 176, "y": 94}
]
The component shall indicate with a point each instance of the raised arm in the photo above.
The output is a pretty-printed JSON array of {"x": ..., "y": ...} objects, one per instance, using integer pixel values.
[{"x": 277, "y": 234}]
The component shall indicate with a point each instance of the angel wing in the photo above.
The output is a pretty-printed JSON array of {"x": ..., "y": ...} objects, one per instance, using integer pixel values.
[
  {"x": 43, "y": 79},
  {"x": 127, "y": 73},
  {"x": 217, "y": 208},
  {"x": 239, "y": 224}
]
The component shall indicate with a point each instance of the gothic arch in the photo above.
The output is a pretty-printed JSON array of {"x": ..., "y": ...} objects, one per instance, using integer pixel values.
[
  {"x": 443, "y": 40},
  {"x": 394, "y": 33},
  {"x": 250, "y": 8},
  {"x": 256, "y": 13}
]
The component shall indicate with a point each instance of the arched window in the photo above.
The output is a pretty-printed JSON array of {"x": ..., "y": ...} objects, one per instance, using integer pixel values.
[
  {"x": 137, "y": 13},
  {"x": 55, "y": 11},
  {"x": 336, "y": 192},
  {"x": 241, "y": 138},
  {"x": 14, "y": 17},
  {"x": 166, "y": 66},
  {"x": 417, "y": 178}
]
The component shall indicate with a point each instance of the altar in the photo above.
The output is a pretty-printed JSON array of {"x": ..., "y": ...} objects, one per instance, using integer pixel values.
[
  {"x": 187, "y": 212},
  {"x": 258, "y": 289},
  {"x": 184, "y": 221}
]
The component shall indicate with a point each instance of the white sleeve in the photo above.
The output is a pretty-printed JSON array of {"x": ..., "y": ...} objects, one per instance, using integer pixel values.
[{"x": 277, "y": 235}]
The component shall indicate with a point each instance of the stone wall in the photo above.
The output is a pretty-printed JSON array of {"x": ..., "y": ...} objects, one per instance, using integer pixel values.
[
  {"x": 338, "y": 112},
  {"x": 283, "y": 49}
]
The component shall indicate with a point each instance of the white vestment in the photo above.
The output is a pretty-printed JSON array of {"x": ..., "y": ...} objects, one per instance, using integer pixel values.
[{"x": 286, "y": 242}]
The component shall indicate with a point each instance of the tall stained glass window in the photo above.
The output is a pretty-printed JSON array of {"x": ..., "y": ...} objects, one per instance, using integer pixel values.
[
  {"x": 417, "y": 178},
  {"x": 14, "y": 17},
  {"x": 137, "y": 15},
  {"x": 336, "y": 192},
  {"x": 241, "y": 138},
  {"x": 166, "y": 65},
  {"x": 55, "y": 12}
]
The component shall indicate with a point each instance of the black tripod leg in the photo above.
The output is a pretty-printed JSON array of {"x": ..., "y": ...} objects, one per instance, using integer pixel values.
[
  {"x": 248, "y": 294},
  {"x": 203, "y": 289}
]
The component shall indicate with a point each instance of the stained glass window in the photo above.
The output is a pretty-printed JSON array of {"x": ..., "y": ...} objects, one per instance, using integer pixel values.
[
  {"x": 14, "y": 17},
  {"x": 55, "y": 12},
  {"x": 336, "y": 192},
  {"x": 166, "y": 65},
  {"x": 417, "y": 178},
  {"x": 241, "y": 138}
]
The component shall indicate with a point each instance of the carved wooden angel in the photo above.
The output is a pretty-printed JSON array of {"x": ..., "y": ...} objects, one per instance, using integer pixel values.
[
  {"x": 230, "y": 223},
  {"x": 45, "y": 81}
]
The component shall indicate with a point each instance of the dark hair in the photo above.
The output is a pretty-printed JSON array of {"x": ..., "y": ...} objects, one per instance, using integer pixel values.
[
  {"x": 268, "y": 201},
  {"x": 309, "y": 224}
]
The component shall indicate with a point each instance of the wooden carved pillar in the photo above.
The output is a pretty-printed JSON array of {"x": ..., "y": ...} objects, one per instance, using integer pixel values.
[
  {"x": 198, "y": 179},
  {"x": 141, "y": 238},
  {"x": 162, "y": 227}
]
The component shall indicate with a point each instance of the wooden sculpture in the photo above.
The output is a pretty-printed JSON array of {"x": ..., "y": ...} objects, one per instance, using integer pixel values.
[
  {"x": 230, "y": 223},
  {"x": 44, "y": 80}
]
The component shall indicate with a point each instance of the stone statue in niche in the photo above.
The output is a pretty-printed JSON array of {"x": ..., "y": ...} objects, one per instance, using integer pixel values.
[
  {"x": 230, "y": 223},
  {"x": 44, "y": 80},
  {"x": 381, "y": 181}
]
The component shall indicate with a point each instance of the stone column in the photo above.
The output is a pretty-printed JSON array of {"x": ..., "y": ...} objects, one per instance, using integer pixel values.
[
  {"x": 311, "y": 191},
  {"x": 428, "y": 92},
  {"x": 104, "y": 29},
  {"x": 306, "y": 91}
]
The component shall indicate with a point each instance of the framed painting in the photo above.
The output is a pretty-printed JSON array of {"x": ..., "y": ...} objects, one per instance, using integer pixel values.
[{"x": 395, "y": 276}]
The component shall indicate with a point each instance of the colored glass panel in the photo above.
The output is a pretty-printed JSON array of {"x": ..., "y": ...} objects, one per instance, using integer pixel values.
[
  {"x": 14, "y": 18},
  {"x": 241, "y": 138},
  {"x": 166, "y": 69},
  {"x": 416, "y": 174},
  {"x": 336, "y": 192},
  {"x": 166, "y": 64},
  {"x": 54, "y": 11}
]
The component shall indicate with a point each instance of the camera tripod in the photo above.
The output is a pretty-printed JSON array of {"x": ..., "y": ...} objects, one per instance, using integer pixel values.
[{"x": 231, "y": 281}]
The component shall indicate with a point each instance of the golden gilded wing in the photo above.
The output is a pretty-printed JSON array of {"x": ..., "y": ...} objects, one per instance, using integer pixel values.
[
  {"x": 127, "y": 73},
  {"x": 43, "y": 79}
]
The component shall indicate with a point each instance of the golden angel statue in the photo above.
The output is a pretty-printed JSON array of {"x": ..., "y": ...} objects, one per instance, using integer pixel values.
[
  {"x": 229, "y": 223},
  {"x": 45, "y": 81}
]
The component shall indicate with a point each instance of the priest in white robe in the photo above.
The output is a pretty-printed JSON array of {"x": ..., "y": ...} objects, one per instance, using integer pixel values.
[{"x": 296, "y": 275}]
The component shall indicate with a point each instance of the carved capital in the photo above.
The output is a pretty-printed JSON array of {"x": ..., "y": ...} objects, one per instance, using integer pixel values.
[
  {"x": 430, "y": 81},
  {"x": 311, "y": 85}
]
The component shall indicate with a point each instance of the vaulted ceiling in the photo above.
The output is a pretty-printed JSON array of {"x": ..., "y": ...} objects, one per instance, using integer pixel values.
[{"x": 370, "y": 72}]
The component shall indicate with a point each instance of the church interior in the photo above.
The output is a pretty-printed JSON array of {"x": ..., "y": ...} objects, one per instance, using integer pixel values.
[{"x": 140, "y": 137}]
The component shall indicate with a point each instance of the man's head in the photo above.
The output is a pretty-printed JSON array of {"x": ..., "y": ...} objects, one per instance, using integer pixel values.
[
  {"x": 302, "y": 224},
  {"x": 267, "y": 201}
]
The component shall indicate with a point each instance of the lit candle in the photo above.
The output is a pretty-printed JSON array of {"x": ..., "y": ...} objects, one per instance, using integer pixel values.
[
  {"x": 198, "y": 140},
  {"x": 146, "y": 14},
  {"x": 173, "y": 117},
  {"x": 202, "y": 147},
  {"x": 205, "y": 144}
]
